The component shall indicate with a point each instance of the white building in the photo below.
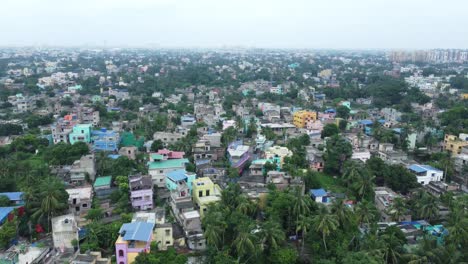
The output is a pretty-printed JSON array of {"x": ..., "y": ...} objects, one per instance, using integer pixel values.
[
  {"x": 426, "y": 173},
  {"x": 64, "y": 231},
  {"x": 362, "y": 155}
]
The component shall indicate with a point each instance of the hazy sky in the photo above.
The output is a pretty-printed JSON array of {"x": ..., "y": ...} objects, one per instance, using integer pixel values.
[{"x": 327, "y": 24}]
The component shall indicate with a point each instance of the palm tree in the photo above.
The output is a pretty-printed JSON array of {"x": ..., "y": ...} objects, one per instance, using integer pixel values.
[
  {"x": 325, "y": 223},
  {"x": 244, "y": 205},
  {"x": 303, "y": 225},
  {"x": 244, "y": 244},
  {"x": 301, "y": 204},
  {"x": 428, "y": 207},
  {"x": 458, "y": 225},
  {"x": 352, "y": 171},
  {"x": 366, "y": 212},
  {"x": 212, "y": 235},
  {"x": 52, "y": 199},
  {"x": 342, "y": 212},
  {"x": 364, "y": 185},
  {"x": 271, "y": 235},
  {"x": 393, "y": 246},
  {"x": 398, "y": 209}
]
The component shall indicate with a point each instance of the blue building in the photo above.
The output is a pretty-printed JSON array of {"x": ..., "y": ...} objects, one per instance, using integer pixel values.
[
  {"x": 179, "y": 177},
  {"x": 16, "y": 198},
  {"x": 105, "y": 140}
]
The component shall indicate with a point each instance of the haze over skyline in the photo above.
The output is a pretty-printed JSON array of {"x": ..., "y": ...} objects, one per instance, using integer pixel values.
[{"x": 333, "y": 24}]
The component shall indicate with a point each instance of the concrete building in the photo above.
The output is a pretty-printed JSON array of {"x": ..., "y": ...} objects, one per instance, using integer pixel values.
[
  {"x": 277, "y": 154},
  {"x": 141, "y": 192},
  {"x": 301, "y": 118},
  {"x": 64, "y": 231},
  {"x": 79, "y": 200},
  {"x": 86, "y": 165},
  {"x": 133, "y": 238},
  {"x": 158, "y": 167},
  {"x": 80, "y": 133},
  {"x": 454, "y": 144},
  {"x": 204, "y": 192},
  {"x": 238, "y": 155},
  {"x": 426, "y": 174},
  {"x": 383, "y": 200},
  {"x": 105, "y": 140},
  {"x": 391, "y": 156},
  {"x": 169, "y": 137},
  {"x": 179, "y": 177},
  {"x": 191, "y": 224}
]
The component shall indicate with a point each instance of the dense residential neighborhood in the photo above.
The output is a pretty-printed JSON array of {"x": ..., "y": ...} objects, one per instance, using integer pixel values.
[{"x": 233, "y": 156}]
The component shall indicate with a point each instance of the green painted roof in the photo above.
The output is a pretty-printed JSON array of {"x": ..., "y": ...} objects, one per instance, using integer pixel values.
[
  {"x": 103, "y": 181},
  {"x": 172, "y": 163},
  {"x": 157, "y": 156}
]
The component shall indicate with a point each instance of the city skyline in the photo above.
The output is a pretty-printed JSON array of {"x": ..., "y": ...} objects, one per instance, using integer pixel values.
[{"x": 297, "y": 24}]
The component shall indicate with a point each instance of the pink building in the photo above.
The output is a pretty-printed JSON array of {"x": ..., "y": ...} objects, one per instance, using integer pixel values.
[
  {"x": 141, "y": 192},
  {"x": 133, "y": 238},
  {"x": 169, "y": 154},
  {"x": 314, "y": 126}
]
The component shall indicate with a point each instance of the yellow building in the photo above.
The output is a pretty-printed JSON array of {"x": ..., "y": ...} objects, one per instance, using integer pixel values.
[
  {"x": 278, "y": 153},
  {"x": 204, "y": 192},
  {"x": 464, "y": 96},
  {"x": 453, "y": 144},
  {"x": 300, "y": 118},
  {"x": 163, "y": 232}
]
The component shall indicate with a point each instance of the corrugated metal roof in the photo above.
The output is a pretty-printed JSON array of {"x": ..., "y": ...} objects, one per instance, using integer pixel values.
[
  {"x": 318, "y": 192},
  {"x": 138, "y": 231},
  {"x": 177, "y": 175},
  {"x": 13, "y": 196}
]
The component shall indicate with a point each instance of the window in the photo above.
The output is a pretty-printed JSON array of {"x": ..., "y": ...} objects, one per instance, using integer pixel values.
[
  {"x": 160, "y": 171},
  {"x": 85, "y": 205},
  {"x": 200, "y": 193},
  {"x": 121, "y": 254},
  {"x": 168, "y": 242},
  {"x": 168, "y": 232},
  {"x": 207, "y": 192}
]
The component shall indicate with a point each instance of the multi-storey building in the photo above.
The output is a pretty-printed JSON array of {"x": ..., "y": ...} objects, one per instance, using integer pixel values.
[
  {"x": 80, "y": 133},
  {"x": 134, "y": 238},
  {"x": 454, "y": 144},
  {"x": 105, "y": 140},
  {"x": 204, "y": 192},
  {"x": 301, "y": 118},
  {"x": 426, "y": 173},
  {"x": 141, "y": 192}
]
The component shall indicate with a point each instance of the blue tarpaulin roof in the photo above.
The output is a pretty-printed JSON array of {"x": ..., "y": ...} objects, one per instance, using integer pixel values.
[
  {"x": 13, "y": 196},
  {"x": 421, "y": 168},
  {"x": 177, "y": 175},
  {"x": 366, "y": 122},
  {"x": 138, "y": 231},
  {"x": 417, "y": 168},
  {"x": 318, "y": 192},
  {"x": 4, "y": 212}
]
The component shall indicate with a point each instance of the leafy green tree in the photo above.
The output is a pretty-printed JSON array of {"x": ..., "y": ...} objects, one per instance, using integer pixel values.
[
  {"x": 4, "y": 201},
  {"x": 157, "y": 145},
  {"x": 7, "y": 233},
  {"x": 338, "y": 150},
  {"x": 284, "y": 256},
  {"x": 342, "y": 112},
  {"x": 161, "y": 257},
  {"x": 330, "y": 130}
]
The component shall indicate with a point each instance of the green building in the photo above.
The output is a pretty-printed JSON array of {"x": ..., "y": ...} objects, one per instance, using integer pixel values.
[{"x": 81, "y": 133}]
